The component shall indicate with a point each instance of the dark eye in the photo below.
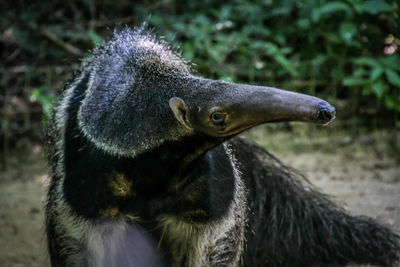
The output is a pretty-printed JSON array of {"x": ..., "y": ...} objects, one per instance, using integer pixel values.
[{"x": 218, "y": 117}]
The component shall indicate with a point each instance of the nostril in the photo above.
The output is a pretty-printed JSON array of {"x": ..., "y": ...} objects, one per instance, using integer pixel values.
[{"x": 326, "y": 113}]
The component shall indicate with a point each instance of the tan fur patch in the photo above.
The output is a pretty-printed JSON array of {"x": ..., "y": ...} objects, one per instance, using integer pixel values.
[
  {"x": 194, "y": 216},
  {"x": 120, "y": 186},
  {"x": 109, "y": 212}
]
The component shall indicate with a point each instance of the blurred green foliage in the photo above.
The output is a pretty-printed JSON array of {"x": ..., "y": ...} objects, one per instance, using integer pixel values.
[
  {"x": 379, "y": 77},
  {"x": 343, "y": 50},
  {"x": 312, "y": 45},
  {"x": 44, "y": 98}
]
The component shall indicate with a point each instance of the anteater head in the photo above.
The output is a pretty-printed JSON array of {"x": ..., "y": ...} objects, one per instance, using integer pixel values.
[{"x": 141, "y": 94}]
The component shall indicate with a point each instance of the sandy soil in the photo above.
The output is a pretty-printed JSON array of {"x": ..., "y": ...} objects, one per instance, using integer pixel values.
[{"x": 360, "y": 173}]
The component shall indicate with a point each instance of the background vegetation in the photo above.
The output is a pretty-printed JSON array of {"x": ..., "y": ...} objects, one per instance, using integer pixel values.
[{"x": 346, "y": 51}]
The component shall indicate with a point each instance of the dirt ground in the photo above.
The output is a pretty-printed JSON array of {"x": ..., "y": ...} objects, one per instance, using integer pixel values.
[{"x": 360, "y": 173}]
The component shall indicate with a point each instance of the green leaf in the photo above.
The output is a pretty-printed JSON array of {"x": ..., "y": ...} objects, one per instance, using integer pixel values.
[
  {"x": 188, "y": 50},
  {"x": 376, "y": 6},
  {"x": 351, "y": 81},
  {"x": 330, "y": 8},
  {"x": 375, "y": 74},
  {"x": 392, "y": 102},
  {"x": 368, "y": 61},
  {"x": 347, "y": 30},
  {"x": 281, "y": 11},
  {"x": 357, "y": 5},
  {"x": 96, "y": 39},
  {"x": 46, "y": 100},
  {"x": 226, "y": 78},
  {"x": 360, "y": 72},
  {"x": 393, "y": 77},
  {"x": 333, "y": 37},
  {"x": 366, "y": 90},
  {"x": 379, "y": 88},
  {"x": 391, "y": 62},
  {"x": 389, "y": 102},
  {"x": 271, "y": 48},
  {"x": 286, "y": 64},
  {"x": 304, "y": 23}
]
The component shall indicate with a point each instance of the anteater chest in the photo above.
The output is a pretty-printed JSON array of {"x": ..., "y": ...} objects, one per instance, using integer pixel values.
[
  {"x": 194, "y": 220},
  {"x": 101, "y": 186}
]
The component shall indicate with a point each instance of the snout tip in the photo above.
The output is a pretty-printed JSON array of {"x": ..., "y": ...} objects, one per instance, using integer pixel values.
[{"x": 325, "y": 113}]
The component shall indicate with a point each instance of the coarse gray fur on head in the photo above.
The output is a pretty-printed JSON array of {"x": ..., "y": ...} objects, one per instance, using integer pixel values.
[{"x": 133, "y": 71}]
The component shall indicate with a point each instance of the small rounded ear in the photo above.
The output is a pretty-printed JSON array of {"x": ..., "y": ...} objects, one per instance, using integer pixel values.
[{"x": 178, "y": 106}]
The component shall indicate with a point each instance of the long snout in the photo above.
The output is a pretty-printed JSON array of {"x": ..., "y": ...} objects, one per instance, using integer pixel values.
[
  {"x": 268, "y": 104},
  {"x": 254, "y": 105}
]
